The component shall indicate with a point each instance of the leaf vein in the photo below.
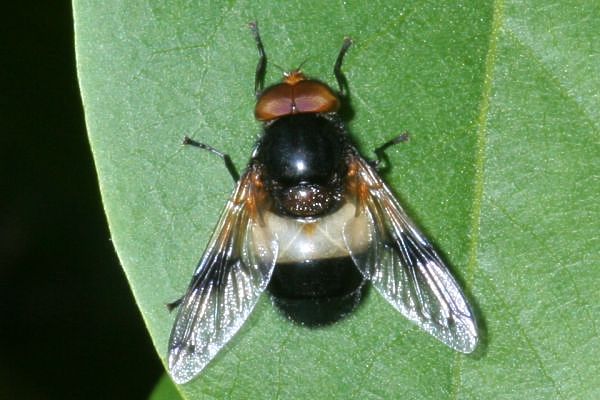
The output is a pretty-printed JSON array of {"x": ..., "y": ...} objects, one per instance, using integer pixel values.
[
  {"x": 564, "y": 91},
  {"x": 484, "y": 106}
]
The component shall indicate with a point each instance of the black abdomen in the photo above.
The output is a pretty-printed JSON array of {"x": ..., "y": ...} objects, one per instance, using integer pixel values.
[
  {"x": 317, "y": 292},
  {"x": 315, "y": 279}
]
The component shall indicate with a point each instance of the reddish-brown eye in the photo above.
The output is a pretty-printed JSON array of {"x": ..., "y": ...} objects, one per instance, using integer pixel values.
[
  {"x": 275, "y": 102},
  {"x": 295, "y": 95},
  {"x": 314, "y": 97}
]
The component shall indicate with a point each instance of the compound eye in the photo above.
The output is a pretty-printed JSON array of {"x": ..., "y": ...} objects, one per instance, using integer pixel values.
[
  {"x": 275, "y": 102},
  {"x": 301, "y": 97},
  {"x": 314, "y": 97}
]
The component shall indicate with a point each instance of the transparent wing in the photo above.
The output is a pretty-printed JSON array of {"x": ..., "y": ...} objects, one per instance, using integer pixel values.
[
  {"x": 233, "y": 272},
  {"x": 403, "y": 266}
]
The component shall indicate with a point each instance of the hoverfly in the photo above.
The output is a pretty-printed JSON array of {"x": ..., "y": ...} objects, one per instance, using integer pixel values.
[{"x": 313, "y": 217}]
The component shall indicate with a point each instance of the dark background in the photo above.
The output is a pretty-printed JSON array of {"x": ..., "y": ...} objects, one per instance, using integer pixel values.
[{"x": 69, "y": 327}]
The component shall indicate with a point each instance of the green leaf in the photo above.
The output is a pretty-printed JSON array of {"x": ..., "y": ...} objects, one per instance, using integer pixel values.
[
  {"x": 502, "y": 103},
  {"x": 165, "y": 389}
]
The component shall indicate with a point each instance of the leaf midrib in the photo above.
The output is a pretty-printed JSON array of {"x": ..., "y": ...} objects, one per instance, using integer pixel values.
[{"x": 482, "y": 120}]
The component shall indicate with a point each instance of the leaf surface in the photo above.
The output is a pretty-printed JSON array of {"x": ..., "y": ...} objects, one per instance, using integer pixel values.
[{"x": 501, "y": 100}]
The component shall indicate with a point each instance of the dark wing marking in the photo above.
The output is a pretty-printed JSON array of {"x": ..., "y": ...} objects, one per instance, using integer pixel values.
[
  {"x": 233, "y": 272},
  {"x": 403, "y": 266}
]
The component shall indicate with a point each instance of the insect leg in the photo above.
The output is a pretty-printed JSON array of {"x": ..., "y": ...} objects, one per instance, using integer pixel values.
[
  {"x": 337, "y": 68},
  {"x": 261, "y": 67},
  {"x": 225, "y": 157},
  {"x": 380, "y": 151}
]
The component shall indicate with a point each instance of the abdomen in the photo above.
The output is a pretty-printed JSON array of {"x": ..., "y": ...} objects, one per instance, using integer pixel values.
[{"x": 315, "y": 281}]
